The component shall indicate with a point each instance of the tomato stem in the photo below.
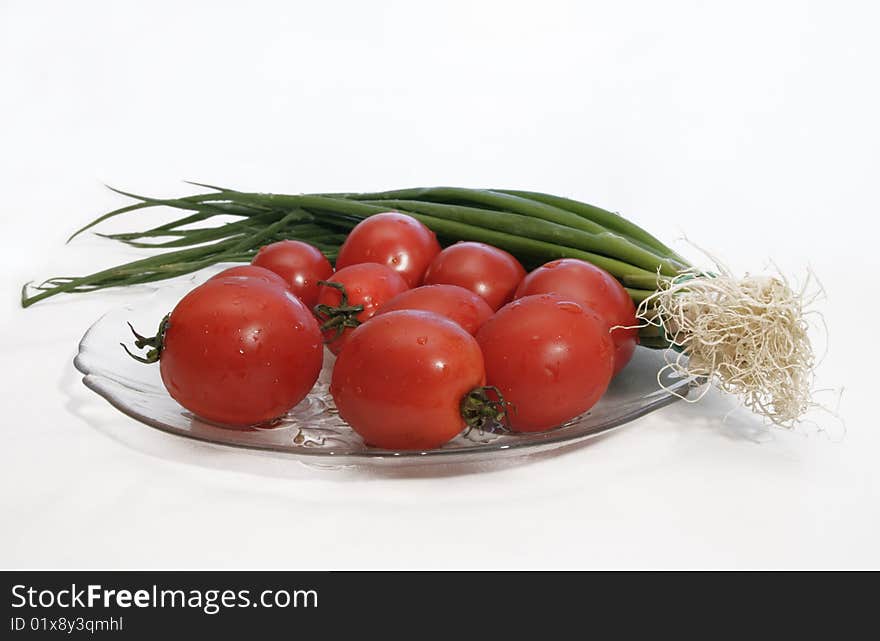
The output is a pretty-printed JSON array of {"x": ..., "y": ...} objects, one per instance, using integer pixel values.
[
  {"x": 485, "y": 406},
  {"x": 337, "y": 317},
  {"x": 155, "y": 343}
]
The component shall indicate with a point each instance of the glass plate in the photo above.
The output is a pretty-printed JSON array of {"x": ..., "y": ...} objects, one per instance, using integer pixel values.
[{"x": 313, "y": 429}]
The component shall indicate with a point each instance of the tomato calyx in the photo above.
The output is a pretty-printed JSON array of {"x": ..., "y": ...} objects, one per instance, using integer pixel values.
[
  {"x": 338, "y": 317},
  {"x": 155, "y": 343},
  {"x": 484, "y": 407}
]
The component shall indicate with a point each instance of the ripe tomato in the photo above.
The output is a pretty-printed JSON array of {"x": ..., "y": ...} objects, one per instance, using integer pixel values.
[
  {"x": 252, "y": 271},
  {"x": 239, "y": 351},
  {"x": 551, "y": 358},
  {"x": 485, "y": 270},
  {"x": 401, "y": 379},
  {"x": 589, "y": 285},
  {"x": 301, "y": 266},
  {"x": 395, "y": 240},
  {"x": 353, "y": 295},
  {"x": 450, "y": 301}
]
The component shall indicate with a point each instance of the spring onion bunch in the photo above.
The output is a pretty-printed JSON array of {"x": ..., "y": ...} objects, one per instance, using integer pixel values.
[{"x": 747, "y": 335}]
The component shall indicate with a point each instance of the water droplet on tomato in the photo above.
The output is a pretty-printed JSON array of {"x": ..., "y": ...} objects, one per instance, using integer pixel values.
[
  {"x": 422, "y": 340},
  {"x": 568, "y": 306}
]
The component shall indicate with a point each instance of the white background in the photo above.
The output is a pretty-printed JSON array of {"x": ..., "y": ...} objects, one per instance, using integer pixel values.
[{"x": 751, "y": 126}]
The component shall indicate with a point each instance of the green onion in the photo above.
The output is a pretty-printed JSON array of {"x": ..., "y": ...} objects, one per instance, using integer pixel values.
[{"x": 534, "y": 227}]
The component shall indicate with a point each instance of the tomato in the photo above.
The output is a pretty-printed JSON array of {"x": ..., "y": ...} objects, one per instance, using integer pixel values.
[
  {"x": 401, "y": 379},
  {"x": 485, "y": 270},
  {"x": 595, "y": 288},
  {"x": 395, "y": 240},
  {"x": 458, "y": 304},
  {"x": 238, "y": 351},
  {"x": 354, "y": 294},
  {"x": 301, "y": 265},
  {"x": 252, "y": 271},
  {"x": 551, "y": 358}
]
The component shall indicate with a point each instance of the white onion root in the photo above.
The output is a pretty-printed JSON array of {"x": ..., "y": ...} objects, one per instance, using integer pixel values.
[{"x": 748, "y": 336}]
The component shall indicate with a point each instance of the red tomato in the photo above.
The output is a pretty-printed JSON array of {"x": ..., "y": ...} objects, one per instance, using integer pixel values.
[
  {"x": 395, "y": 240},
  {"x": 252, "y": 271},
  {"x": 239, "y": 351},
  {"x": 366, "y": 287},
  {"x": 485, "y": 270},
  {"x": 455, "y": 303},
  {"x": 299, "y": 264},
  {"x": 551, "y": 358},
  {"x": 589, "y": 285},
  {"x": 401, "y": 379}
]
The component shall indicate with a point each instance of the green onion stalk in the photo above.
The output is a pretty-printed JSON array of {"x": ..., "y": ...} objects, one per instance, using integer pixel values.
[{"x": 747, "y": 335}]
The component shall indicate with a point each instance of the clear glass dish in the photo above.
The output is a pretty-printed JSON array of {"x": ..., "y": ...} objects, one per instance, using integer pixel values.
[{"x": 313, "y": 429}]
